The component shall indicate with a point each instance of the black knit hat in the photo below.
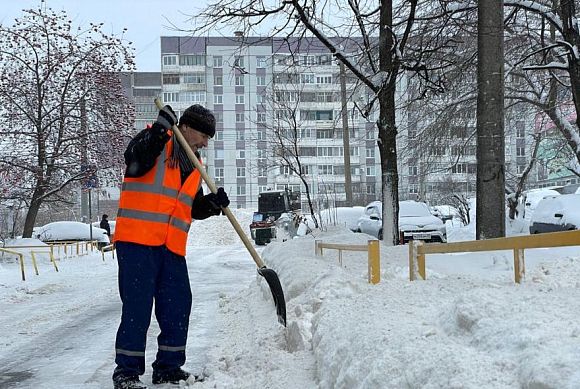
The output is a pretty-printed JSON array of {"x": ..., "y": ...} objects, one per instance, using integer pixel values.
[{"x": 199, "y": 118}]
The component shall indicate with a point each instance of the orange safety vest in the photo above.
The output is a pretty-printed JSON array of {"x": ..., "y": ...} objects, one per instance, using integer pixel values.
[{"x": 155, "y": 209}]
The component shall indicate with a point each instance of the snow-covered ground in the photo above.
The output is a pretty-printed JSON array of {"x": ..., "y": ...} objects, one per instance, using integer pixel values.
[{"x": 467, "y": 326}]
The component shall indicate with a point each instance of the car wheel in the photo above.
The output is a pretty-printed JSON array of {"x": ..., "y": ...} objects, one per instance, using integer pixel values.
[{"x": 380, "y": 236}]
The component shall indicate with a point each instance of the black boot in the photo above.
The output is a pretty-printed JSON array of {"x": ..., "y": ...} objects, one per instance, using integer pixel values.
[
  {"x": 128, "y": 382},
  {"x": 170, "y": 376}
]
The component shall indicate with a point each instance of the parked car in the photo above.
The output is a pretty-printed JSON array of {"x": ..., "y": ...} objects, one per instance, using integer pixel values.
[
  {"x": 70, "y": 231},
  {"x": 415, "y": 222},
  {"x": 560, "y": 213}
]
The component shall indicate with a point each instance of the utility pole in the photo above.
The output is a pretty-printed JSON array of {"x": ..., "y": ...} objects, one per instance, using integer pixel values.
[{"x": 345, "y": 138}]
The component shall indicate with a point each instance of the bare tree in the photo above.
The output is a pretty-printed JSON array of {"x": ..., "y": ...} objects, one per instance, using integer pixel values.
[
  {"x": 283, "y": 137},
  {"x": 55, "y": 79}
]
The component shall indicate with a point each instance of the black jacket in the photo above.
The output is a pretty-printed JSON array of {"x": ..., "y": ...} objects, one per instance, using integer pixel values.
[
  {"x": 105, "y": 226},
  {"x": 140, "y": 157}
]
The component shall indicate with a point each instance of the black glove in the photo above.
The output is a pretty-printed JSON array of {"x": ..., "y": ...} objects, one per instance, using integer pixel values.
[
  {"x": 166, "y": 118},
  {"x": 218, "y": 200}
]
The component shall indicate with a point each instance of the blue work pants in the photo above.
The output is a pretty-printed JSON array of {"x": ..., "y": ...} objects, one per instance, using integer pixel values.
[{"x": 148, "y": 274}]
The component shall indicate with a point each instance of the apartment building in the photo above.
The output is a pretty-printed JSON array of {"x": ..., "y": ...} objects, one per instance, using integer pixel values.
[{"x": 253, "y": 85}]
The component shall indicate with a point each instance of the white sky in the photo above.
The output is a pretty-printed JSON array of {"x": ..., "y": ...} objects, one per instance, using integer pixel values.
[
  {"x": 146, "y": 20},
  {"x": 467, "y": 326}
]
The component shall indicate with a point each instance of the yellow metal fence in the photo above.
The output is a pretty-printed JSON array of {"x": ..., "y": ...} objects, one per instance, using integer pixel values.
[
  {"x": 418, "y": 249},
  {"x": 374, "y": 256}
]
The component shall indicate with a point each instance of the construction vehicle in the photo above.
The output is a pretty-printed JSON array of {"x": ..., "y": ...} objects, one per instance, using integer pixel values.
[{"x": 271, "y": 205}]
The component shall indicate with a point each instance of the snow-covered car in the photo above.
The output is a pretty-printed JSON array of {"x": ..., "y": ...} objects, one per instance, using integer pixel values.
[
  {"x": 415, "y": 222},
  {"x": 559, "y": 213},
  {"x": 70, "y": 231},
  {"x": 533, "y": 198}
]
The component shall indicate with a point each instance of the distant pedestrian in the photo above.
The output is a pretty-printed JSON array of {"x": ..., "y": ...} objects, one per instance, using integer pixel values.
[{"x": 105, "y": 224}]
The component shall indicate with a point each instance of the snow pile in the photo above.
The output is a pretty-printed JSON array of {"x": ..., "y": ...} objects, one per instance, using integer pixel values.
[
  {"x": 453, "y": 330},
  {"x": 467, "y": 326}
]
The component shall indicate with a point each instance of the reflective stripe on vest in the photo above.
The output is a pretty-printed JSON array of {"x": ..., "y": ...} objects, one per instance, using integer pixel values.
[{"x": 155, "y": 209}]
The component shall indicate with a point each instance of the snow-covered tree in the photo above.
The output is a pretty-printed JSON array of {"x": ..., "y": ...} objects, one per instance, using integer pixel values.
[{"x": 64, "y": 115}]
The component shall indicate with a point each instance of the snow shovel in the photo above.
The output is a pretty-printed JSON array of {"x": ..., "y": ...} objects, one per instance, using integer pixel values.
[{"x": 269, "y": 274}]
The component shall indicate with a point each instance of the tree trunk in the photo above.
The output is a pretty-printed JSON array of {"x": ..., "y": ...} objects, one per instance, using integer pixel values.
[
  {"x": 35, "y": 204},
  {"x": 386, "y": 125},
  {"x": 490, "y": 207},
  {"x": 572, "y": 36}
]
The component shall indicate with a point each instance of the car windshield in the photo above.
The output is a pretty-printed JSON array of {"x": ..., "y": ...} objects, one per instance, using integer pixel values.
[{"x": 413, "y": 209}]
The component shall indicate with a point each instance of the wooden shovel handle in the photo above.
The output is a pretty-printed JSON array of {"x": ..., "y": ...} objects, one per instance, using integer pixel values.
[{"x": 211, "y": 185}]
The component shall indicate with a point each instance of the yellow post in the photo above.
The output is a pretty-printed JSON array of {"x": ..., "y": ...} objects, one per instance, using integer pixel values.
[
  {"x": 34, "y": 262},
  {"x": 317, "y": 248},
  {"x": 22, "y": 266},
  {"x": 421, "y": 259},
  {"x": 52, "y": 259},
  {"x": 374, "y": 262},
  {"x": 519, "y": 265},
  {"x": 412, "y": 261},
  {"x": 77, "y": 249},
  {"x": 340, "y": 257}
]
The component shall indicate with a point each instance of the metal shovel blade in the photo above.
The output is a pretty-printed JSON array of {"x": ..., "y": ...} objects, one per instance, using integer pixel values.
[{"x": 277, "y": 292}]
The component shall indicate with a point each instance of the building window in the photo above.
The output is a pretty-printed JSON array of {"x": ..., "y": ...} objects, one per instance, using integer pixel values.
[
  {"x": 171, "y": 79},
  {"x": 437, "y": 150},
  {"x": 240, "y": 154},
  {"x": 262, "y": 171},
  {"x": 170, "y": 97},
  {"x": 191, "y": 60},
  {"x": 169, "y": 60},
  {"x": 241, "y": 172},
  {"x": 324, "y": 133},
  {"x": 307, "y": 78},
  {"x": 219, "y": 173},
  {"x": 241, "y": 190},
  {"x": 261, "y": 80},
  {"x": 239, "y": 117},
  {"x": 307, "y": 60},
  {"x": 219, "y": 117},
  {"x": 259, "y": 99},
  {"x": 261, "y": 117},
  {"x": 413, "y": 170},
  {"x": 370, "y": 188},
  {"x": 193, "y": 97},
  {"x": 520, "y": 130},
  {"x": 413, "y": 189},
  {"x": 219, "y": 135},
  {"x": 459, "y": 168},
  {"x": 218, "y": 80},
  {"x": 219, "y": 153},
  {"x": 260, "y": 62},
  {"x": 217, "y": 61},
  {"x": 194, "y": 78},
  {"x": 370, "y": 153},
  {"x": 239, "y": 99},
  {"x": 520, "y": 151},
  {"x": 218, "y": 99},
  {"x": 239, "y": 80},
  {"x": 324, "y": 79},
  {"x": 325, "y": 170},
  {"x": 306, "y": 169},
  {"x": 521, "y": 169},
  {"x": 370, "y": 171},
  {"x": 240, "y": 134}
]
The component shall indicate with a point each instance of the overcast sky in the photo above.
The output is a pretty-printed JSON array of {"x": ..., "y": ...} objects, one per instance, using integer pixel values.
[{"x": 146, "y": 20}]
